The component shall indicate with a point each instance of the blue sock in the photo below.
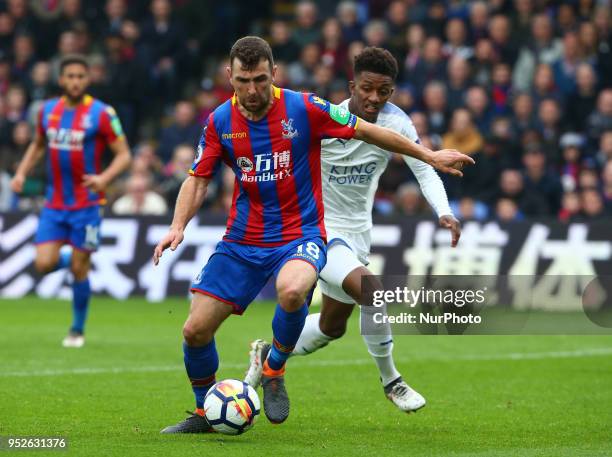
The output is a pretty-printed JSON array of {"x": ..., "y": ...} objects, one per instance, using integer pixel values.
[
  {"x": 201, "y": 364},
  {"x": 65, "y": 257},
  {"x": 81, "y": 292},
  {"x": 286, "y": 328}
]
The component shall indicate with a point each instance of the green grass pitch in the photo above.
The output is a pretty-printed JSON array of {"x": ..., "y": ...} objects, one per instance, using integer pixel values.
[{"x": 487, "y": 396}]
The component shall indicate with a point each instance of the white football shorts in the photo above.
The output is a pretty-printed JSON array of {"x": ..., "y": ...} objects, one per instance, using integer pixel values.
[{"x": 345, "y": 252}]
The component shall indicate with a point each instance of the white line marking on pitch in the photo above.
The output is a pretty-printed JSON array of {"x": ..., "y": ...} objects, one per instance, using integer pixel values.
[{"x": 298, "y": 363}]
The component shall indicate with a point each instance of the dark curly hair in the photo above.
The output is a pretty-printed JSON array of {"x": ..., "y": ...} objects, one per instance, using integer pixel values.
[
  {"x": 376, "y": 60},
  {"x": 73, "y": 59},
  {"x": 251, "y": 50}
]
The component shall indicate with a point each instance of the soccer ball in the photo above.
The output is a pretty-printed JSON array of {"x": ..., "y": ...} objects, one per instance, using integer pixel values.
[{"x": 231, "y": 406}]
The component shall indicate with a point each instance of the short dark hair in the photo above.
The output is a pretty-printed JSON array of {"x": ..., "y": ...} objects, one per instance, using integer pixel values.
[
  {"x": 251, "y": 50},
  {"x": 376, "y": 60},
  {"x": 73, "y": 59}
]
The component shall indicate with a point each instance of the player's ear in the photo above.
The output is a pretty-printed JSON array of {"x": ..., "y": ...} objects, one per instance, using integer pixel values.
[
  {"x": 352, "y": 87},
  {"x": 274, "y": 68},
  {"x": 229, "y": 72}
]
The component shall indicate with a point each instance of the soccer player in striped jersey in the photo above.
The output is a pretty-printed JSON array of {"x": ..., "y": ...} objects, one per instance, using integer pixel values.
[
  {"x": 74, "y": 131},
  {"x": 351, "y": 170},
  {"x": 271, "y": 139}
]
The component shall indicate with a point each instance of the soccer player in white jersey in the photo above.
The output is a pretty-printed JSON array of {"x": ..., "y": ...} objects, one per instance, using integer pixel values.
[{"x": 351, "y": 170}]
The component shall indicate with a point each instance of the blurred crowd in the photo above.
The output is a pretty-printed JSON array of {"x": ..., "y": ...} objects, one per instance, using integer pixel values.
[{"x": 525, "y": 86}]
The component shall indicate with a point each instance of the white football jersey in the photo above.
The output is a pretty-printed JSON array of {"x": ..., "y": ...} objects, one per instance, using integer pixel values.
[{"x": 351, "y": 170}]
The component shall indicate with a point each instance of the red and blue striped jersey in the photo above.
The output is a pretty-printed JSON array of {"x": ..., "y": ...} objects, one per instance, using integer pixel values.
[
  {"x": 277, "y": 163},
  {"x": 76, "y": 139}
]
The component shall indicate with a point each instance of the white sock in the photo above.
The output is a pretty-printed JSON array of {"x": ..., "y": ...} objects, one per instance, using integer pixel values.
[
  {"x": 380, "y": 344},
  {"x": 311, "y": 338}
]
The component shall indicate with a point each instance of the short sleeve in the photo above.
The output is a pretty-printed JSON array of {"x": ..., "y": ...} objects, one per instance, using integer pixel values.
[
  {"x": 330, "y": 121},
  {"x": 110, "y": 125},
  {"x": 209, "y": 151}
]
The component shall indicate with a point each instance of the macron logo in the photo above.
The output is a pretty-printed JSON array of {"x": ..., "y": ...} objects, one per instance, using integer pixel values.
[{"x": 233, "y": 136}]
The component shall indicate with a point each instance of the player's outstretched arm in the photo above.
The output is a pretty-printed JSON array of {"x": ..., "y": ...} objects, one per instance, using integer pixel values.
[
  {"x": 33, "y": 154},
  {"x": 446, "y": 160},
  {"x": 121, "y": 161},
  {"x": 190, "y": 198}
]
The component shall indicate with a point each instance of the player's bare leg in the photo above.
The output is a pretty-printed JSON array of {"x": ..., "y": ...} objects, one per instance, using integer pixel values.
[
  {"x": 206, "y": 315},
  {"x": 294, "y": 283},
  {"x": 47, "y": 256}
]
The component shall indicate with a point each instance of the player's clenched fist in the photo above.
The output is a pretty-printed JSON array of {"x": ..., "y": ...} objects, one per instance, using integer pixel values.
[
  {"x": 173, "y": 238},
  {"x": 17, "y": 183}
]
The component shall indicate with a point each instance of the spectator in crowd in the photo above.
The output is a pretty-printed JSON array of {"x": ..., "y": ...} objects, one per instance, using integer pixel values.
[
  {"x": 544, "y": 48},
  {"x": 606, "y": 178},
  {"x": 604, "y": 155},
  {"x": 307, "y": 30},
  {"x": 409, "y": 200},
  {"x": 165, "y": 47},
  {"x": 333, "y": 49},
  {"x": 600, "y": 120},
  {"x": 415, "y": 41},
  {"x": 347, "y": 14},
  {"x": 479, "y": 19},
  {"x": 564, "y": 69},
  {"x": 503, "y": 45},
  {"x": 462, "y": 135},
  {"x": 571, "y": 154},
  {"x": 570, "y": 207},
  {"x": 434, "y": 100},
  {"x": 175, "y": 173},
  {"x": 550, "y": 128},
  {"x": 540, "y": 181},
  {"x": 376, "y": 33},
  {"x": 482, "y": 65},
  {"x": 458, "y": 81},
  {"x": 592, "y": 205},
  {"x": 183, "y": 130},
  {"x": 512, "y": 187},
  {"x": 430, "y": 67},
  {"x": 582, "y": 100},
  {"x": 501, "y": 88},
  {"x": 456, "y": 44},
  {"x": 477, "y": 102},
  {"x": 507, "y": 210},
  {"x": 139, "y": 199},
  {"x": 397, "y": 18},
  {"x": 300, "y": 73},
  {"x": 523, "y": 117},
  {"x": 281, "y": 42}
]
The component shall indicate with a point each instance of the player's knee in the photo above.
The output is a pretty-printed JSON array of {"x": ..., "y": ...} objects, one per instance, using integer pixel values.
[
  {"x": 332, "y": 329},
  {"x": 290, "y": 297},
  {"x": 196, "y": 335},
  {"x": 44, "y": 265},
  {"x": 80, "y": 269}
]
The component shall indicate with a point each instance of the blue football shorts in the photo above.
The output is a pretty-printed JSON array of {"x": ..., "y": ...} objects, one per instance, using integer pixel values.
[
  {"x": 236, "y": 273},
  {"x": 79, "y": 228}
]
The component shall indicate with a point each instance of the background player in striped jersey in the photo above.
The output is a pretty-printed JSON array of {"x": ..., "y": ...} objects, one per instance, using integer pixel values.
[
  {"x": 271, "y": 138},
  {"x": 351, "y": 170},
  {"x": 74, "y": 131}
]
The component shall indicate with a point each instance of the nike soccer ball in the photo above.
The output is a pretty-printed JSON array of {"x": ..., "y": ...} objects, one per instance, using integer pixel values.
[{"x": 231, "y": 406}]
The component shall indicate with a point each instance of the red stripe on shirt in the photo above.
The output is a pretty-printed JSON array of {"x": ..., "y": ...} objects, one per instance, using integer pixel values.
[
  {"x": 77, "y": 161},
  {"x": 285, "y": 188},
  {"x": 55, "y": 117},
  {"x": 232, "y": 214},
  {"x": 314, "y": 163},
  {"x": 242, "y": 148}
]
